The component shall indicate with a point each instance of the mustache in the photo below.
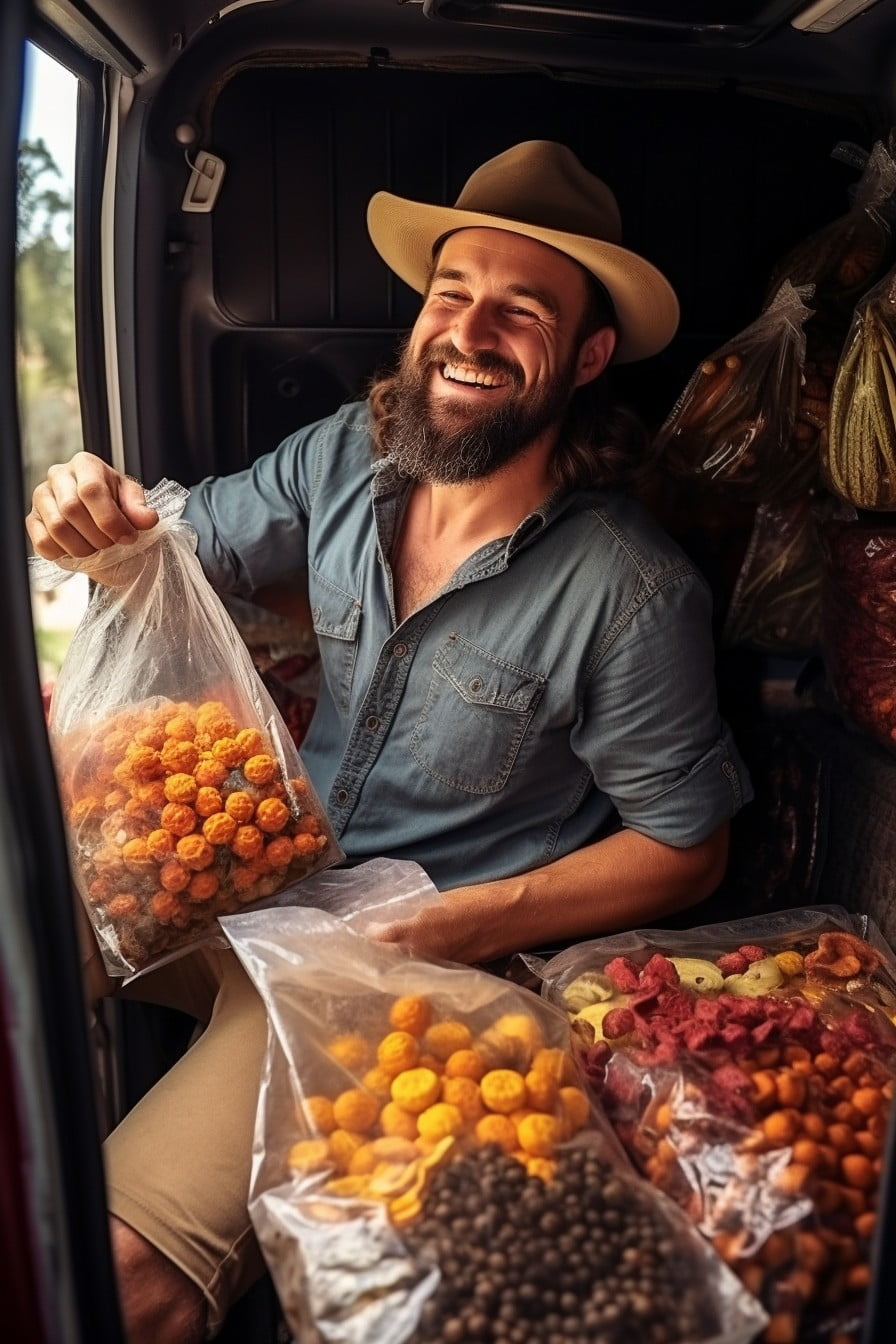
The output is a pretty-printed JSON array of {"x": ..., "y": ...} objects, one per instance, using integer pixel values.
[{"x": 481, "y": 361}]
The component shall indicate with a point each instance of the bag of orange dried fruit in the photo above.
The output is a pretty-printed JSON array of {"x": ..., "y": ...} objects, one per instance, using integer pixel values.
[
  {"x": 183, "y": 793},
  {"x": 429, "y": 1168}
]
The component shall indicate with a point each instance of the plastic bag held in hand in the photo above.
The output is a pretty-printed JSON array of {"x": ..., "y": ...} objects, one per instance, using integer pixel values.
[
  {"x": 732, "y": 427},
  {"x": 184, "y": 796}
]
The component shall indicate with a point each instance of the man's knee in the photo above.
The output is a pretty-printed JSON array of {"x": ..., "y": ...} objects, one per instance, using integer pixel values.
[{"x": 159, "y": 1303}]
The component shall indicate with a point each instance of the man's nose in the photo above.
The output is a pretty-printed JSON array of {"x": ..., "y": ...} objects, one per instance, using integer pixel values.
[{"x": 475, "y": 329}]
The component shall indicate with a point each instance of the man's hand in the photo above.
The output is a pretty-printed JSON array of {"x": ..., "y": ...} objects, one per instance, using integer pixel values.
[
  {"x": 627, "y": 881},
  {"x": 85, "y": 506}
]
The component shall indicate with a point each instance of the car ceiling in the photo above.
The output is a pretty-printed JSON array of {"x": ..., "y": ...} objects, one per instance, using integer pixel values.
[{"x": 744, "y": 40}]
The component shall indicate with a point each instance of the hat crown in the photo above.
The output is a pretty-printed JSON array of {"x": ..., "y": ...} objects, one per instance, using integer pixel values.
[{"x": 542, "y": 183}]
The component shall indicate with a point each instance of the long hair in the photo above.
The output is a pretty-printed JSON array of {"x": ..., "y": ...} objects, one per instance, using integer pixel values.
[{"x": 601, "y": 445}]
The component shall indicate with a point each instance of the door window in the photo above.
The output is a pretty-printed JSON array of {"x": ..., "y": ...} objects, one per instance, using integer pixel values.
[{"x": 49, "y": 409}]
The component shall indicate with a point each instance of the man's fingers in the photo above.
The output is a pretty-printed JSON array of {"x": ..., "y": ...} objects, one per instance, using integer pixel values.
[
  {"x": 83, "y": 507},
  {"x": 132, "y": 502}
]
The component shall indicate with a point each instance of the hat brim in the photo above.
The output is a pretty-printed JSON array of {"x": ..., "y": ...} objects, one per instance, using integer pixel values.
[{"x": 406, "y": 232}]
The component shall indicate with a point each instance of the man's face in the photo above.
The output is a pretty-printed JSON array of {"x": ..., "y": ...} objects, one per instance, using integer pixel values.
[{"x": 493, "y": 357}]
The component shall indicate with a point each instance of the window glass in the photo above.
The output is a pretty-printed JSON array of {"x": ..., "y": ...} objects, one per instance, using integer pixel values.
[{"x": 49, "y": 411}]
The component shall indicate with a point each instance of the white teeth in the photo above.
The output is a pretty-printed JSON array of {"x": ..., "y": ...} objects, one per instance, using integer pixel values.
[{"x": 458, "y": 374}]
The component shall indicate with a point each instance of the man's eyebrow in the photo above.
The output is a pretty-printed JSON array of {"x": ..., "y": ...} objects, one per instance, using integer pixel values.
[{"x": 518, "y": 291}]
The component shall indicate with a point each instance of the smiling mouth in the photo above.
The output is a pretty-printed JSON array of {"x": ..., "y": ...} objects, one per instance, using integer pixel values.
[{"x": 460, "y": 373}]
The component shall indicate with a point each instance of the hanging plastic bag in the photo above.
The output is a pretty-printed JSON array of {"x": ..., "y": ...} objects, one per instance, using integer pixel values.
[
  {"x": 748, "y": 1069},
  {"x": 843, "y": 258},
  {"x": 427, "y": 1166},
  {"x": 184, "y": 796},
  {"x": 732, "y": 428},
  {"x": 776, "y": 603},
  {"x": 859, "y": 622},
  {"x": 858, "y": 452}
]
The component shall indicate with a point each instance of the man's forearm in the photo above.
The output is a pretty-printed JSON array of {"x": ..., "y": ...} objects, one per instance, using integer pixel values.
[{"x": 625, "y": 881}]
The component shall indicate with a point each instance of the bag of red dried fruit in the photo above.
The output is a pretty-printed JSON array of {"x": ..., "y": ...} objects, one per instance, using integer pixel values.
[
  {"x": 428, "y": 1167},
  {"x": 748, "y": 1069},
  {"x": 858, "y": 621},
  {"x": 184, "y": 795}
]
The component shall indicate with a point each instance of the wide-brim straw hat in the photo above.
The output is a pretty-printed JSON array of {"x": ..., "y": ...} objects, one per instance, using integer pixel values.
[{"x": 538, "y": 189}]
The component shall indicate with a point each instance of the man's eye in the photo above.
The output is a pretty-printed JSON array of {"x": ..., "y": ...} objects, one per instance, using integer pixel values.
[{"x": 523, "y": 314}]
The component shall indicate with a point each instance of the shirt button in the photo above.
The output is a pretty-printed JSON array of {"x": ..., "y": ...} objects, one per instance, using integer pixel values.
[
  {"x": 476, "y": 685},
  {"x": 342, "y": 795},
  {"x": 399, "y": 650},
  {"x": 315, "y": 614},
  {"x": 373, "y": 723}
]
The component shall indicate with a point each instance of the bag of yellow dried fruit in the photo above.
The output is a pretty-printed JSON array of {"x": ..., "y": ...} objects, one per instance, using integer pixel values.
[
  {"x": 428, "y": 1167},
  {"x": 183, "y": 793}
]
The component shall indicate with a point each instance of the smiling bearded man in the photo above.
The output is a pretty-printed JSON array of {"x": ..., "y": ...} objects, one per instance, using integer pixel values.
[{"x": 439, "y": 445}]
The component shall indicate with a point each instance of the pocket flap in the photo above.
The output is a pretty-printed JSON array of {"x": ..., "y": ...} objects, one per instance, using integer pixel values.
[
  {"x": 333, "y": 611},
  {"x": 482, "y": 679}
]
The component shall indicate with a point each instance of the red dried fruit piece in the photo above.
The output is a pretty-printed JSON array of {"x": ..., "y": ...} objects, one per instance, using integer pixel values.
[
  {"x": 732, "y": 1079},
  {"x": 752, "y": 952},
  {"x": 618, "y": 1022},
  {"x": 622, "y": 974},
  {"x": 732, "y": 963},
  {"x": 660, "y": 967},
  {"x": 700, "y": 1036}
]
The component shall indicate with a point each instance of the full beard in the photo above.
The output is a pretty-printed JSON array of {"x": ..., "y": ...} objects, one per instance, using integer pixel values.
[{"x": 452, "y": 445}]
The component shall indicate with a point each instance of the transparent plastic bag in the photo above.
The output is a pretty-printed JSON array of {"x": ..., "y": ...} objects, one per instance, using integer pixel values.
[
  {"x": 858, "y": 450},
  {"x": 426, "y": 1163},
  {"x": 859, "y": 622},
  {"x": 843, "y": 258},
  {"x": 776, "y": 603},
  {"x": 732, "y": 428},
  {"x": 748, "y": 1070},
  {"x": 183, "y": 794}
]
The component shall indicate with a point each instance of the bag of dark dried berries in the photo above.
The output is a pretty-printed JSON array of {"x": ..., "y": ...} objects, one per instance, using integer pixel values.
[
  {"x": 184, "y": 795},
  {"x": 858, "y": 621},
  {"x": 748, "y": 1070},
  {"x": 429, "y": 1167}
]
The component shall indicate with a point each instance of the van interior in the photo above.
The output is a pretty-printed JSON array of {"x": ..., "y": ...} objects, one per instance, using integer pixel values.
[{"x": 227, "y": 293}]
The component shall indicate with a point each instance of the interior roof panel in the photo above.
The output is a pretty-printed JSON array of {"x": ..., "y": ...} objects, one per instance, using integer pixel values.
[{"x": 856, "y": 59}]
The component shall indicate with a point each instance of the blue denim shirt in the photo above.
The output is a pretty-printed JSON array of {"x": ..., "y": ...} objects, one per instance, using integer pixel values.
[{"x": 561, "y": 683}]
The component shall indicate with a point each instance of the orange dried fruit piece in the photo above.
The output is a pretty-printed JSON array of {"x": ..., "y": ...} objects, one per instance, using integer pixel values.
[
  {"x": 523, "y": 1028},
  {"x": 351, "y": 1050},
  {"x": 248, "y": 842},
  {"x": 465, "y": 1095},
  {"x": 503, "y": 1090},
  {"x": 377, "y": 1081},
  {"x": 195, "y": 852},
  {"x": 202, "y": 887},
  {"x": 214, "y": 720},
  {"x": 271, "y": 815},
  {"x": 210, "y": 773},
  {"x": 181, "y": 788},
  {"x": 543, "y": 1167},
  {"x": 260, "y": 769},
  {"x": 397, "y": 1122},
  {"x": 239, "y": 806},
  {"x": 542, "y": 1090},
  {"x": 318, "y": 1113},
  {"x": 556, "y": 1062},
  {"x": 465, "y": 1064},
  {"x": 309, "y": 1155},
  {"x": 279, "y": 853},
  {"x": 443, "y": 1038},
  {"x": 219, "y": 828},
  {"x": 411, "y": 1013},
  {"x": 539, "y": 1134},
  {"x": 497, "y": 1129},
  {"x": 397, "y": 1051},
  {"x": 415, "y": 1089},
  {"x": 179, "y": 757},
  {"x": 342, "y": 1145},
  {"x": 440, "y": 1121},
  {"x": 250, "y": 742},
  {"x": 356, "y": 1110},
  {"x": 178, "y": 818},
  {"x": 574, "y": 1107}
]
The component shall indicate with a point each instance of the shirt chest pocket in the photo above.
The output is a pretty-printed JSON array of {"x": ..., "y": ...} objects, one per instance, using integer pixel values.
[
  {"x": 476, "y": 716},
  {"x": 336, "y": 616}
]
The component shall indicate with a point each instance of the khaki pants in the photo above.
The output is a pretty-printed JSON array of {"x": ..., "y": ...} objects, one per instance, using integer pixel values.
[{"x": 178, "y": 1165}]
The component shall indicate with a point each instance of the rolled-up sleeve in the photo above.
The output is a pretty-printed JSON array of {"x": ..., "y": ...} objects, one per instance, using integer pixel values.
[
  {"x": 252, "y": 526},
  {"x": 651, "y": 730}
]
